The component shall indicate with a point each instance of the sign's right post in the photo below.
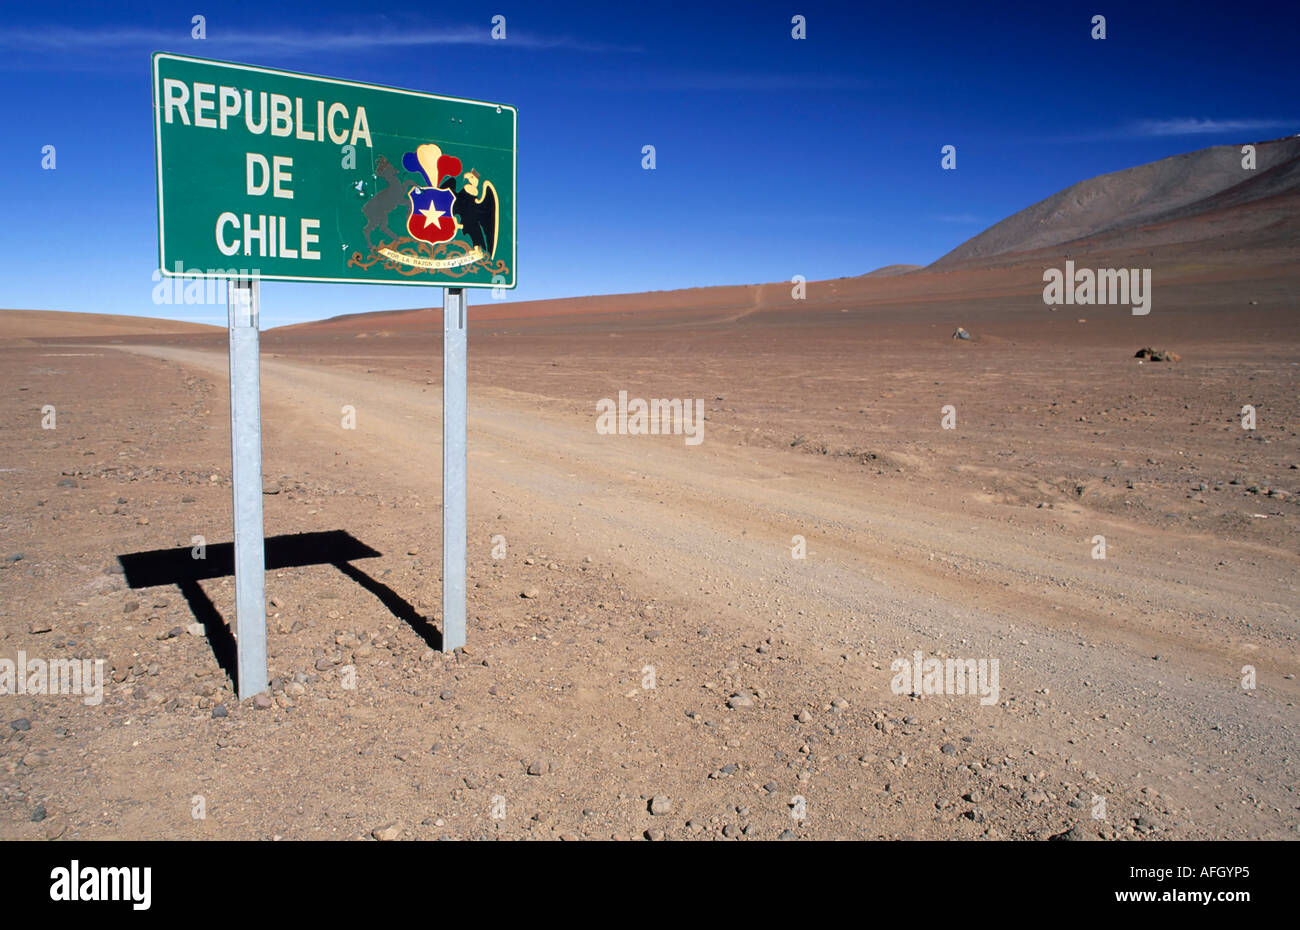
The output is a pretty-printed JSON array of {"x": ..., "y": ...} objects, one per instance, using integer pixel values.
[{"x": 454, "y": 377}]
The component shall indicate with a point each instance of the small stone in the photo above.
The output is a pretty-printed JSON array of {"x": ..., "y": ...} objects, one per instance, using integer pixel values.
[
  {"x": 740, "y": 699},
  {"x": 731, "y": 831},
  {"x": 660, "y": 805},
  {"x": 654, "y": 834},
  {"x": 388, "y": 833},
  {"x": 262, "y": 701},
  {"x": 38, "y": 814},
  {"x": 787, "y": 835},
  {"x": 220, "y": 711},
  {"x": 530, "y": 594},
  {"x": 948, "y": 749},
  {"x": 1075, "y": 834},
  {"x": 537, "y": 768},
  {"x": 196, "y": 629},
  {"x": 22, "y": 723},
  {"x": 447, "y": 695}
]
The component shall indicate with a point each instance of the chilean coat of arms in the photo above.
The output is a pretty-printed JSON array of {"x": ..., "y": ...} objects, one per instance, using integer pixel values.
[{"x": 453, "y": 216}]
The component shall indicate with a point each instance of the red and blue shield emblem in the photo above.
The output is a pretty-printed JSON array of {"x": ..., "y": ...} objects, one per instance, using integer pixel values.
[{"x": 431, "y": 218}]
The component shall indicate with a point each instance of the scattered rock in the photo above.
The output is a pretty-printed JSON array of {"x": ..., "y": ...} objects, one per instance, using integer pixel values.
[
  {"x": 22, "y": 723},
  {"x": 1076, "y": 833},
  {"x": 387, "y": 834},
  {"x": 661, "y": 805}
]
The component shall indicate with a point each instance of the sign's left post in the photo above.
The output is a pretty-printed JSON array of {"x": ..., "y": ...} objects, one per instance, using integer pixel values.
[{"x": 246, "y": 477}]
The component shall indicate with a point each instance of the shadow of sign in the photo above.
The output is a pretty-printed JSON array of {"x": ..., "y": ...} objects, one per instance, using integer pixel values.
[{"x": 334, "y": 547}]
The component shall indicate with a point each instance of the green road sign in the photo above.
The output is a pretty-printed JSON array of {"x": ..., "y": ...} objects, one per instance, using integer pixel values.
[{"x": 294, "y": 177}]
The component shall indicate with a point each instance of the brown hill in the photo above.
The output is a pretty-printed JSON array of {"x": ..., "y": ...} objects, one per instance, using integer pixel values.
[
  {"x": 1198, "y": 195},
  {"x": 18, "y": 325},
  {"x": 888, "y": 271}
]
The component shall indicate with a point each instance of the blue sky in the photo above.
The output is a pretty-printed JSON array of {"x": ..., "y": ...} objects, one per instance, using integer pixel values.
[{"x": 775, "y": 157}]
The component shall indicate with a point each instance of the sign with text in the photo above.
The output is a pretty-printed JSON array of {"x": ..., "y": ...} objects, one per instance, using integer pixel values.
[{"x": 293, "y": 177}]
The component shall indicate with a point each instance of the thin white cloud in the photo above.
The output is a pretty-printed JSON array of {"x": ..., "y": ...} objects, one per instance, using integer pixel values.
[
  {"x": 285, "y": 42},
  {"x": 1176, "y": 127},
  {"x": 1191, "y": 126}
]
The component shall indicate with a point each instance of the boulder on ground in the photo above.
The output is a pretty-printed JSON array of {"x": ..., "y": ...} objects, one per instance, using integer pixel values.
[
  {"x": 961, "y": 334},
  {"x": 1157, "y": 355}
]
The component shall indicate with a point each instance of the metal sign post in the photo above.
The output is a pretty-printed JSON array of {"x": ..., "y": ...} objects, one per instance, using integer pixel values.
[
  {"x": 454, "y": 373},
  {"x": 246, "y": 476}
]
